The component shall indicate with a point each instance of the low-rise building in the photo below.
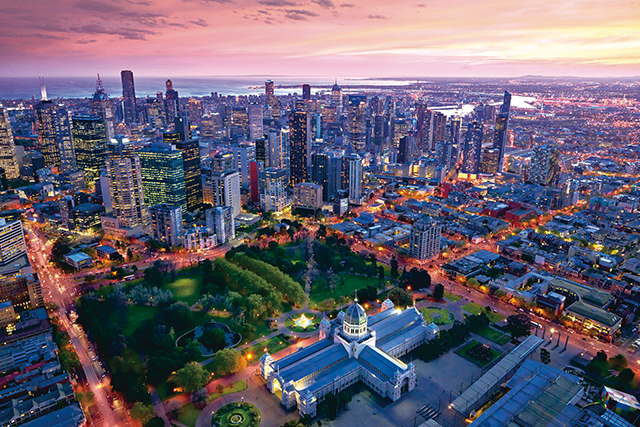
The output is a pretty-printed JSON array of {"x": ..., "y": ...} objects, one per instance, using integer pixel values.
[
  {"x": 78, "y": 260},
  {"x": 590, "y": 317},
  {"x": 107, "y": 252}
]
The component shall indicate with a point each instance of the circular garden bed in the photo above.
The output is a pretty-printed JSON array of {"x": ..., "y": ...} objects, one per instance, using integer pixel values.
[
  {"x": 437, "y": 315},
  {"x": 232, "y": 338},
  {"x": 296, "y": 324},
  {"x": 238, "y": 414}
]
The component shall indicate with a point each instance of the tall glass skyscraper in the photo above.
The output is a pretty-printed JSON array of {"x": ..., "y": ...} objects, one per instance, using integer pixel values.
[
  {"x": 54, "y": 135},
  {"x": 7, "y": 148},
  {"x": 300, "y": 145},
  {"x": 102, "y": 107},
  {"x": 472, "y": 149},
  {"x": 129, "y": 97},
  {"x": 192, "y": 172},
  {"x": 90, "y": 144},
  {"x": 163, "y": 181},
  {"x": 502, "y": 128},
  {"x": 356, "y": 121}
]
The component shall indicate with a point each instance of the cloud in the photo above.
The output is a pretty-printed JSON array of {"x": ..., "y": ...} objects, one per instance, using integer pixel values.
[
  {"x": 85, "y": 41},
  {"x": 298, "y": 14},
  {"x": 48, "y": 36},
  {"x": 421, "y": 5},
  {"x": 209, "y": 1},
  {"x": 347, "y": 5},
  {"x": 97, "y": 6},
  {"x": 277, "y": 3},
  {"x": 200, "y": 23},
  {"x": 376, "y": 17},
  {"x": 325, "y": 4},
  {"x": 123, "y": 32}
]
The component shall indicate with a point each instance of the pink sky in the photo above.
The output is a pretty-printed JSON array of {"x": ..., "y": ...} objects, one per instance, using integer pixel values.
[{"x": 323, "y": 38}]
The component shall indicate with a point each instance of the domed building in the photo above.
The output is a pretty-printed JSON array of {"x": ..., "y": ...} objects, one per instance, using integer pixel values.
[{"x": 353, "y": 347}]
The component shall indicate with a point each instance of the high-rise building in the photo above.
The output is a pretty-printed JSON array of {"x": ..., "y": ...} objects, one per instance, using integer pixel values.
[
  {"x": 125, "y": 185},
  {"x": 438, "y": 129},
  {"x": 163, "y": 180},
  {"x": 336, "y": 97},
  {"x": 221, "y": 222},
  {"x": 424, "y": 242},
  {"x": 273, "y": 190},
  {"x": 209, "y": 125},
  {"x": 12, "y": 243},
  {"x": 255, "y": 122},
  {"x": 8, "y": 160},
  {"x": 255, "y": 170},
  {"x": 243, "y": 155},
  {"x": 299, "y": 128},
  {"x": 171, "y": 102},
  {"x": 406, "y": 149},
  {"x": 356, "y": 121},
  {"x": 192, "y": 172},
  {"x": 545, "y": 166},
  {"x": 306, "y": 92},
  {"x": 501, "y": 133},
  {"x": 166, "y": 224},
  {"x": 472, "y": 149},
  {"x": 272, "y": 100},
  {"x": 307, "y": 195},
  {"x": 155, "y": 111},
  {"x": 490, "y": 160},
  {"x": 90, "y": 144},
  {"x": 320, "y": 173},
  {"x": 54, "y": 135},
  {"x": 261, "y": 150},
  {"x": 334, "y": 175},
  {"x": 356, "y": 190},
  {"x": 240, "y": 119},
  {"x": 181, "y": 126},
  {"x": 226, "y": 190},
  {"x": 194, "y": 110},
  {"x": 223, "y": 162},
  {"x": 102, "y": 107},
  {"x": 130, "y": 109}
]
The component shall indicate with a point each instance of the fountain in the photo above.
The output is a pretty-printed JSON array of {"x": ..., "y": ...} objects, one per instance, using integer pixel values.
[{"x": 303, "y": 321}]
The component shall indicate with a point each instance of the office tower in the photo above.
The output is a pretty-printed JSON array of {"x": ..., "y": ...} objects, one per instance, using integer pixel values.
[
  {"x": 155, "y": 111},
  {"x": 90, "y": 143},
  {"x": 8, "y": 160},
  {"x": 271, "y": 99},
  {"x": 356, "y": 191},
  {"x": 181, "y": 126},
  {"x": 300, "y": 145},
  {"x": 437, "y": 129},
  {"x": 424, "y": 242},
  {"x": 472, "y": 149},
  {"x": 306, "y": 92},
  {"x": 334, "y": 175},
  {"x": 171, "y": 137},
  {"x": 54, "y": 135},
  {"x": 163, "y": 180},
  {"x": 243, "y": 155},
  {"x": 65, "y": 204},
  {"x": 223, "y": 162},
  {"x": 490, "y": 160},
  {"x": 284, "y": 139},
  {"x": 255, "y": 122},
  {"x": 262, "y": 145},
  {"x": 454, "y": 129},
  {"x": 221, "y": 222},
  {"x": 226, "y": 190},
  {"x": 336, "y": 97},
  {"x": 273, "y": 190},
  {"x": 12, "y": 243},
  {"x": 320, "y": 173},
  {"x": 545, "y": 166},
  {"x": 356, "y": 124},
  {"x": 129, "y": 97},
  {"x": 255, "y": 169},
  {"x": 209, "y": 125},
  {"x": 192, "y": 172},
  {"x": 102, "y": 107},
  {"x": 171, "y": 102},
  {"x": 307, "y": 195},
  {"x": 400, "y": 129},
  {"x": 166, "y": 224},
  {"x": 444, "y": 153},
  {"x": 194, "y": 110},
  {"x": 406, "y": 149},
  {"x": 501, "y": 132},
  {"x": 329, "y": 114},
  {"x": 273, "y": 150},
  {"x": 125, "y": 185},
  {"x": 240, "y": 119}
]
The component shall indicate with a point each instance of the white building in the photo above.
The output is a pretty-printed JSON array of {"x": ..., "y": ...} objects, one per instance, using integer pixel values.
[
  {"x": 225, "y": 188},
  {"x": 356, "y": 191},
  {"x": 351, "y": 348},
  {"x": 425, "y": 239},
  {"x": 12, "y": 244},
  {"x": 243, "y": 155},
  {"x": 307, "y": 195},
  {"x": 255, "y": 122},
  {"x": 220, "y": 221},
  {"x": 198, "y": 238},
  {"x": 166, "y": 223},
  {"x": 273, "y": 189}
]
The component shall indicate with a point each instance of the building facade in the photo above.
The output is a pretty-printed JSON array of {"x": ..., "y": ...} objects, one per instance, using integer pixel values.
[
  {"x": 90, "y": 144},
  {"x": 424, "y": 242},
  {"x": 163, "y": 180},
  {"x": 166, "y": 224}
]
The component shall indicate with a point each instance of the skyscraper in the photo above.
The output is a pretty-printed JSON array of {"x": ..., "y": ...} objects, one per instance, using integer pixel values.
[
  {"x": 438, "y": 129},
  {"x": 90, "y": 144},
  {"x": 221, "y": 222},
  {"x": 306, "y": 92},
  {"x": 192, "y": 172},
  {"x": 545, "y": 166},
  {"x": 125, "y": 185},
  {"x": 336, "y": 97},
  {"x": 424, "y": 242},
  {"x": 226, "y": 190},
  {"x": 356, "y": 191},
  {"x": 155, "y": 111},
  {"x": 101, "y": 106},
  {"x": 181, "y": 124},
  {"x": 320, "y": 173},
  {"x": 171, "y": 102},
  {"x": 163, "y": 180},
  {"x": 273, "y": 190},
  {"x": 300, "y": 145},
  {"x": 54, "y": 135},
  {"x": 7, "y": 148},
  {"x": 129, "y": 97},
  {"x": 271, "y": 99},
  {"x": 166, "y": 224},
  {"x": 243, "y": 155},
  {"x": 502, "y": 128},
  {"x": 472, "y": 149},
  {"x": 255, "y": 122},
  {"x": 490, "y": 159},
  {"x": 356, "y": 124}
]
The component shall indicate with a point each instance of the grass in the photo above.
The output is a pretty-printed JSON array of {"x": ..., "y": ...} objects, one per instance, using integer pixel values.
[
  {"x": 186, "y": 288},
  {"x": 464, "y": 352},
  {"x": 249, "y": 415},
  {"x": 439, "y": 316},
  {"x": 234, "y": 388},
  {"x": 477, "y": 309},
  {"x": 273, "y": 345},
  {"x": 136, "y": 314},
  {"x": 451, "y": 297},
  {"x": 349, "y": 283},
  {"x": 494, "y": 335},
  {"x": 189, "y": 414}
]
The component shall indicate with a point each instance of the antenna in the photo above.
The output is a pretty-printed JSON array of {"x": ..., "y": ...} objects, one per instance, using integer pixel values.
[
  {"x": 43, "y": 89},
  {"x": 99, "y": 87},
  {"x": 356, "y": 292}
]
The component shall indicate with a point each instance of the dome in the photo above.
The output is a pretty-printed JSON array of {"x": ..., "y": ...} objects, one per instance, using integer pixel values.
[{"x": 355, "y": 315}]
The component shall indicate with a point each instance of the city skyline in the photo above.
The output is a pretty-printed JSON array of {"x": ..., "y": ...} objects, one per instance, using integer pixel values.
[{"x": 226, "y": 37}]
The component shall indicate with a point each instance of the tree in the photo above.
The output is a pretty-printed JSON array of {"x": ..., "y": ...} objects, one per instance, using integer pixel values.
[
  {"x": 129, "y": 254},
  {"x": 518, "y": 325},
  {"x": 178, "y": 316},
  {"x": 229, "y": 361},
  {"x": 155, "y": 422},
  {"x": 394, "y": 267},
  {"x": 545, "y": 356},
  {"x": 626, "y": 375},
  {"x": 438, "y": 291},
  {"x": 90, "y": 397},
  {"x": 141, "y": 412},
  {"x": 400, "y": 297},
  {"x": 213, "y": 339},
  {"x": 192, "y": 350},
  {"x": 322, "y": 232},
  {"x": 601, "y": 356},
  {"x": 619, "y": 362},
  {"x": 192, "y": 377},
  {"x": 380, "y": 272},
  {"x": 153, "y": 277}
]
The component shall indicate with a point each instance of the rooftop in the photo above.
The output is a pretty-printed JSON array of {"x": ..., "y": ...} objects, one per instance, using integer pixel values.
[{"x": 591, "y": 312}]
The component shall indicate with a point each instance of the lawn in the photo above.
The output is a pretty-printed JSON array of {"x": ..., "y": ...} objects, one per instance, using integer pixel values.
[
  {"x": 494, "y": 335},
  {"x": 186, "y": 288},
  {"x": 189, "y": 414},
  {"x": 477, "y": 309},
  {"x": 136, "y": 314},
  {"x": 273, "y": 345},
  {"x": 465, "y": 353},
  {"x": 439, "y": 316},
  {"x": 349, "y": 283},
  {"x": 451, "y": 297},
  {"x": 233, "y": 388}
]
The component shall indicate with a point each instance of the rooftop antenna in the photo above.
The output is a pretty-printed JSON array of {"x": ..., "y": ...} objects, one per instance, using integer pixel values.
[
  {"x": 43, "y": 89},
  {"x": 356, "y": 298},
  {"x": 99, "y": 87}
]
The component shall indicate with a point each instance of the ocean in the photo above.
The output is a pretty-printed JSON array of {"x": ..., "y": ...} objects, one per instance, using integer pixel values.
[{"x": 84, "y": 87}]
